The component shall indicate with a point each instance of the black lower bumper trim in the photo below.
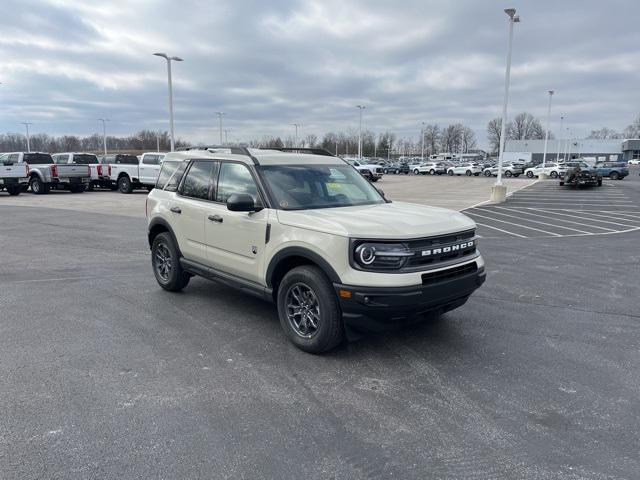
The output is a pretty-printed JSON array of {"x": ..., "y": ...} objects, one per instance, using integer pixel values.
[{"x": 377, "y": 308}]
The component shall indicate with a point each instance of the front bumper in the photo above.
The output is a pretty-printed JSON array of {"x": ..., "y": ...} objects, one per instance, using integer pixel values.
[{"x": 379, "y": 308}]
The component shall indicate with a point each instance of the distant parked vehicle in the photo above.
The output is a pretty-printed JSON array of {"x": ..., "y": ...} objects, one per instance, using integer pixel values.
[
  {"x": 467, "y": 169},
  {"x": 634, "y": 161},
  {"x": 13, "y": 177},
  {"x": 510, "y": 170},
  {"x": 45, "y": 175},
  {"x": 128, "y": 172},
  {"x": 99, "y": 173},
  {"x": 613, "y": 170},
  {"x": 554, "y": 170},
  {"x": 580, "y": 174},
  {"x": 372, "y": 172}
]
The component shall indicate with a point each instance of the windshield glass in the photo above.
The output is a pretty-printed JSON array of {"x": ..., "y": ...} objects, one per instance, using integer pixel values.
[
  {"x": 85, "y": 159},
  {"x": 37, "y": 158},
  {"x": 300, "y": 187}
]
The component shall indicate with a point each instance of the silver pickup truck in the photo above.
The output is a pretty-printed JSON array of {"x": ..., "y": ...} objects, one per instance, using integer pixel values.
[
  {"x": 13, "y": 177},
  {"x": 45, "y": 175},
  {"x": 99, "y": 172}
]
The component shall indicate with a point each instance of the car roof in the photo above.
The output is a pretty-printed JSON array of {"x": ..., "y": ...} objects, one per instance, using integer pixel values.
[{"x": 74, "y": 153}]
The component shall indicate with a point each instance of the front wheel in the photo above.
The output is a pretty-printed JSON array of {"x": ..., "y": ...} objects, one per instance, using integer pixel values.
[
  {"x": 397, "y": 172},
  {"x": 432, "y": 172},
  {"x": 450, "y": 173},
  {"x": 416, "y": 172},
  {"x": 468, "y": 173},
  {"x": 165, "y": 261},
  {"x": 308, "y": 310},
  {"x": 599, "y": 182},
  {"x": 508, "y": 174},
  {"x": 530, "y": 174},
  {"x": 614, "y": 175},
  {"x": 124, "y": 184},
  {"x": 554, "y": 174},
  {"x": 487, "y": 173}
]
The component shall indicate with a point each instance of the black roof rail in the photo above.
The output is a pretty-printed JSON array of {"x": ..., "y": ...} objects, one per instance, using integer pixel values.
[
  {"x": 311, "y": 150},
  {"x": 233, "y": 149}
]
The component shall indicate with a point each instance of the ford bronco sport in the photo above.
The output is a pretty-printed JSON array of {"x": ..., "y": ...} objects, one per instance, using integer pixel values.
[{"x": 309, "y": 233}]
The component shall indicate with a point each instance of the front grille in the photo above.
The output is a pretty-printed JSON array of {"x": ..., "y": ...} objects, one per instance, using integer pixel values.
[
  {"x": 449, "y": 273},
  {"x": 440, "y": 243}
]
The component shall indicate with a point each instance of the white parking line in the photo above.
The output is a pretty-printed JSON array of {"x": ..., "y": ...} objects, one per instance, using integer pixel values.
[
  {"x": 547, "y": 216},
  {"x": 591, "y": 219},
  {"x": 612, "y": 217},
  {"x": 500, "y": 230},
  {"x": 538, "y": 221},
  {"x": 514, "y": 224},
  {"x": 565, "y": 204}
]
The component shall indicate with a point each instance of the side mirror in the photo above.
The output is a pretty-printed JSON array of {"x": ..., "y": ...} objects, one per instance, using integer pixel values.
[{"x": 241, "y": 202}]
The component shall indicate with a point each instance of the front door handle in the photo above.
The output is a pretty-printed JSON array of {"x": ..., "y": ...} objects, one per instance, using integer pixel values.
[
  {"x": 176, "y": 209},
  {"x": 215, "y": 218}
]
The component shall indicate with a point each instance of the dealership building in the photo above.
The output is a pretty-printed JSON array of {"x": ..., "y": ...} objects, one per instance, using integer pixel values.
[{"x": 603, "y": 150}]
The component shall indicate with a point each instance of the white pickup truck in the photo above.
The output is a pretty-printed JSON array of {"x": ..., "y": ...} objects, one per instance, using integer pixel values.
[
  {"x": 129, "y": 172},
  {"x": 45, "y": 175},
  {"x": 99, "y": 173},
  {"x": 13, "y": 177}
]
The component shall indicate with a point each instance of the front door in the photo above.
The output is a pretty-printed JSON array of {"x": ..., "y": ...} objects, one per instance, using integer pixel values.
[{"x": 236, "y": 240}]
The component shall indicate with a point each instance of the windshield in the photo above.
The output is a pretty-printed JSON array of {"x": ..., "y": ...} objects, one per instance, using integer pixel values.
[
  {"x": 37, "y": 158},
  {"x": 85, "y": 159},
  {"x": 300, "y": 187}
]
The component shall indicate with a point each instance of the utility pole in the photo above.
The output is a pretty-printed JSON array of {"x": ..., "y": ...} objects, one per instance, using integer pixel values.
[
  {"x": 422, "y": 140},
  {"x": 26, "y": 124},
  {"x": 546, "y": 134},
  {"x": 226, "y": 136},
  {"x": 104, "y": 133},
  {"x": 360, "y": 107},
  {"x": 169, "y": 60},
  {"x": 220, "y": 115},
  {"x": 295, "y": 144},
  {"x": 558, "y": 140}
]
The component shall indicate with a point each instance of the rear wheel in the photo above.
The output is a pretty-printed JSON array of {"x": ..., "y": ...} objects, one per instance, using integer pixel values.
[
  {"x": 397, "y": 171},
  {"x": 124, "y": 184},
  {"x": 530, "y": 174},
  {"x": 165, "y": 261},
  {"x": 468, "y": 173},
  {"x": 37, "y": 186},
  {"x": 554, "y": 174},
  {"x": 416, "y": 172},
  {"x": 487, "y": 173},
  {"x": 450, "y": 172},
  {"x": 432, "y": 172},
  {"x": 614, "y": 175},
  {"x": 308, "y": 310},
  {"x": 13, "y": 190},
  {"x": 508, "y": 174}
]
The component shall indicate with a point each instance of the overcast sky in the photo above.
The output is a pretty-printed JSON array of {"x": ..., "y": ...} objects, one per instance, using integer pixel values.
[{"x": 270, "y": 63}]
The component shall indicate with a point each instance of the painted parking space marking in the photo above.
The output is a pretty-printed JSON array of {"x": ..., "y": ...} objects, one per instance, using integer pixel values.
[
  {"x": 500, "y": 230},
  {"x": 512, "y": 223},
  {"x": 547, "y": 216},
  {"x": 594, "y": 220},
  {"x": 520, "y": 217}
]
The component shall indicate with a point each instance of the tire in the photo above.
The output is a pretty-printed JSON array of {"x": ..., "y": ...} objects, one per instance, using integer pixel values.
[
  {"x": 432, "y": 172},
  {"x": 397, "y": 172},
  {"x": 468, "y": 173},
  {"x": 37, "y": 186},
  {"x": 599, "y": 182},
  {"x": 450, "y": 173},
  {"x": 316, "y": 293},
  {"x": 508, "y": 174},
  {"x": 13, "y": 190},
  {"x": 554, "y": 175},
  {"x": 90, "y": 187},
  {"x": 165, "y": 262},
  {"x": 487, "y": 173},
  {"x": 530, "y": 174},
  {"x": 416, "y": 172},
  {"x": 124, "y": 184},
  {"x": 561, "y": 183},
  {"x": 614, "y": 176}
]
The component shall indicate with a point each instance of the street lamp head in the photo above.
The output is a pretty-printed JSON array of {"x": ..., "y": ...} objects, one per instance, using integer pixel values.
[
  {"x": 510, "y": 11},
  {"x": 163, "y": 55},
  {"x": 551, "y": 92},
  {"x": 177, "y": 59},
  {"x": 516, "y": 19}
]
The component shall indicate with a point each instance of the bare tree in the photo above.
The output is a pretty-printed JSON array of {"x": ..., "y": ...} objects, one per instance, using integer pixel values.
[
  {"x": 525, "y": 127},
  {"x": 431, "y": 139},
  {"x": 633, "y": 130},
  {"x": 310, "y": 140},
  {"x": 604, "y": 133},
  {"x": 468, "y": 139},
  {"x": 494, "y": 129}
]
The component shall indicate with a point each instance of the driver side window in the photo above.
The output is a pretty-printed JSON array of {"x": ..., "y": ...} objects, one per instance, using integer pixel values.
[{"x": 235, "y": 178}]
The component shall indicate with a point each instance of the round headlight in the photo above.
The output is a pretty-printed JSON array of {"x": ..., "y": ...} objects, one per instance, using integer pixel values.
[{"x": 366, "y": 254}]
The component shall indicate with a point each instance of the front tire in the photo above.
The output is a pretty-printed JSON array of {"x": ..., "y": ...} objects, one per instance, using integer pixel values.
[
  {"x": 530, "y": 174},
  {"x": 416, "y": 172},
  {"x": 468, "y": 173},
  {"x": 165, "y": 262},
  {"x": 124, "y": 184},
  {"x": 308, "y": 310},
  {"x": 450, "y": 173},
  {"x": 614, "y": 175},
  {"x": 554, "y": 174},
  {"x": 432, "y": 172},
  {"x": 508, "y": 174}
]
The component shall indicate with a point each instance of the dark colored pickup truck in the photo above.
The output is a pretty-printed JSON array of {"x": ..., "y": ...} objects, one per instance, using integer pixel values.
[
  {"x": 580, "y": 173},
  {"x": 613, "y": 170}
]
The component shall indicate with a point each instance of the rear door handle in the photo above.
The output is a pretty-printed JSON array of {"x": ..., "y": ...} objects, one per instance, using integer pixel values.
[
  {"x": 176, "y": 209},
  {"x": 215, "y": 218}
]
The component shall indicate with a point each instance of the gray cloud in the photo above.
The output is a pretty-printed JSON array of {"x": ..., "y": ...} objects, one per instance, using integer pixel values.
[{"x": 268, "y": 64}]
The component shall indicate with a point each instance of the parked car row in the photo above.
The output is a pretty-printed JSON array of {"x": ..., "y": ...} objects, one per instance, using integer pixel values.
[{"x": 77, "y": 171}]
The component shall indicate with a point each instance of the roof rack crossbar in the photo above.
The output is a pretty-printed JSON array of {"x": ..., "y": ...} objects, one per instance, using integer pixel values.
[
  {"x": 311, "y": 150},
  {"x": 233, "y": 149}
]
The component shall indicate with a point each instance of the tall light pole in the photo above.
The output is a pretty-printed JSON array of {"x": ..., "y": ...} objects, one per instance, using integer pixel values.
[
  {"x": 561, "y": 135},
  {"x": 226, "y": 136},
  {"x": 220, "y": 115},
  {"x": 26, "y": 124},
  {"x": 546, "y": 133},
  {"x": 295, "y": 143},
  {"x": 499, "y": 193},
  {"x": 422, "y": 140},
  {"x": 168, "y": 59},
  {"x": 360, "y": 107},
  {"x": 104, "y": 133}
]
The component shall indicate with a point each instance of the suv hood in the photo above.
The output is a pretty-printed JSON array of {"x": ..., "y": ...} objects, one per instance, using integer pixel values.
[{"x": 397, "y": 220}]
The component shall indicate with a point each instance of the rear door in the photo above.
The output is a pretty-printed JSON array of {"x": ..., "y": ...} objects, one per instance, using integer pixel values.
[
  {"x": 188, "y": 208},
  {"x": 149, "y": 168},
  {"x": 236, "y": 240}
]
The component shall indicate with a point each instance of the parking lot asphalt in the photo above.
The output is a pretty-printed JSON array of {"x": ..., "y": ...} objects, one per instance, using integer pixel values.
[{"x": 104, "y": 375}]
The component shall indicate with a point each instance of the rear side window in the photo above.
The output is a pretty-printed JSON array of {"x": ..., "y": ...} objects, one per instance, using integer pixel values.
[
  {"x": 151, "y": 159},
  {"x": 37, "y": 158},
  {"x": 173, "y": 180},
  {"x": 198, "y": 181},
  {"x": 126, "y": 159},
  {"x": 85, "y": 159}
]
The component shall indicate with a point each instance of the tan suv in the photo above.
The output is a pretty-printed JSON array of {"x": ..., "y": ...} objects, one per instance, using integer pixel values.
[{"x": 309, "y": 233}]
